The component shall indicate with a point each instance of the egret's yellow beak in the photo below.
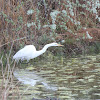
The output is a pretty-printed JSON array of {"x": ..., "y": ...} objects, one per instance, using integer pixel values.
[{"x": 60, "y": 45}]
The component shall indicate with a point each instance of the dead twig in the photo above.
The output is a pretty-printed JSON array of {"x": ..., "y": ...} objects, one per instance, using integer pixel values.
[{"x": 13, "y": 41}]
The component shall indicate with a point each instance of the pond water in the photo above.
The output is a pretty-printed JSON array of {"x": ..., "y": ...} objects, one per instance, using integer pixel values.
[{"x": 64, "y": 79}]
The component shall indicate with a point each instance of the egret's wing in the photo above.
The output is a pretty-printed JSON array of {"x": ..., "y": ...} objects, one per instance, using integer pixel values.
[{"x": 25, "y": 53}]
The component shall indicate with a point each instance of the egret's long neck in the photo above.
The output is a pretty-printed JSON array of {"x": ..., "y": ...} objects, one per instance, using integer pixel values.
[{"x": 45, "y": 48}]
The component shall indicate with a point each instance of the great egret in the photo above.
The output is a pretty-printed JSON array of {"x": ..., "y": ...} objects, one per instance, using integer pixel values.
[{"x": 29, "y": 52}]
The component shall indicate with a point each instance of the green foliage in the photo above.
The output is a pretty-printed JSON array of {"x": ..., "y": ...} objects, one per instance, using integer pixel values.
[
  {"x": 46, "y": 20},
  {"x": 20, "y": 19},
  {"x": 97, "y": 47},
  {"x": 7, "y": 19},
  {"x": 43, "y": 39},
  {"x": 70, "y": 41},
  {"x": 46, "y": 38}
]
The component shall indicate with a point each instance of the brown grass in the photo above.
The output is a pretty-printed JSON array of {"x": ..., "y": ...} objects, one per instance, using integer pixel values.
[{"x": 13, "y": 20}]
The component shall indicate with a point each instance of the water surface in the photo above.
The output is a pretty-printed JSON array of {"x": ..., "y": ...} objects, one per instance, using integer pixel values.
[{"x": 65, "y": 79}]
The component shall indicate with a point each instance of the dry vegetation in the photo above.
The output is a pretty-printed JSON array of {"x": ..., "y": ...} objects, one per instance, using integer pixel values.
[{"x": 27, "y": 22}]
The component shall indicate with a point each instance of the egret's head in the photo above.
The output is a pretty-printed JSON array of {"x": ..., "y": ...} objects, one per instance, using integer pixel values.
[
  {"x": 56, "y": 44},
  {"x": 50, "y": 45}
]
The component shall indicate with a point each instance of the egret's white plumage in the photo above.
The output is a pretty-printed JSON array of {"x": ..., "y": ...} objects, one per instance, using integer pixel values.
[{"x": 29, "y": 52}]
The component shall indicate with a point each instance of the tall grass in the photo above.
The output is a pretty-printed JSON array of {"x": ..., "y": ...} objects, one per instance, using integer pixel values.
[{"x": 7, "y": 79}]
